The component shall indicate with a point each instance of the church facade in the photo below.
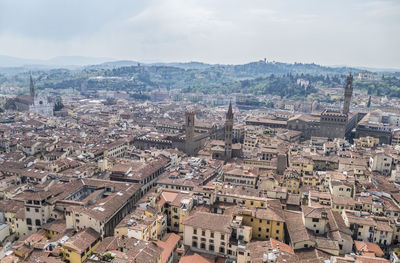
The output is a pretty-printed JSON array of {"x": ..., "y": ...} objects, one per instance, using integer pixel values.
[{"x": 42, "y": 106}]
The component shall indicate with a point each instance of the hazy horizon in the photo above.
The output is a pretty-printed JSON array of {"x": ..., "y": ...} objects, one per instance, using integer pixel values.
[
  {"x": 55, "y": 62},
  {"x": 351, "y": 33}
]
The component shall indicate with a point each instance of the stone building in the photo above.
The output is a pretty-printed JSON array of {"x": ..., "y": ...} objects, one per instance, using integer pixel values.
[
  {"x": 372, "y": 125},
  {"x": 193, "y": 141},
  {"x": 335, "y": 124},
  {"x": 23, "y": 101},
  {"x": 308, "y": 125},
  {"x": 225, "y": 150},
  {"x": 41, "y": 105}
]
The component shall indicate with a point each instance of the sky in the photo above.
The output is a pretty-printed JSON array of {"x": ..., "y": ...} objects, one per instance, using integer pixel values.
[{"x": 349, "y": 32}]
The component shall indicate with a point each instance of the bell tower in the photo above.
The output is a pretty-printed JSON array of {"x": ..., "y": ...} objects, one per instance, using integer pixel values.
[
  {"x": 348, "y": 92},
  {"x": 189, "y": 132},
  {"x": 31, "y": 88},
  {"x": 228, "y": 133}
]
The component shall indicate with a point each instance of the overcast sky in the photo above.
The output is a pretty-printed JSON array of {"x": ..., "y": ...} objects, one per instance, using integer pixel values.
[{"x": 355, "y": 33}]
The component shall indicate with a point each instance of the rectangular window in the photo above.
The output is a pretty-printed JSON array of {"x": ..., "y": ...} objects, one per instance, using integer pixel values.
[{"x": 211, "y": 247}]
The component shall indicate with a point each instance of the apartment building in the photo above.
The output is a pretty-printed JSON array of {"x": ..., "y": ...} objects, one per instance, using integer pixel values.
[{"x": 215, "y": 234}]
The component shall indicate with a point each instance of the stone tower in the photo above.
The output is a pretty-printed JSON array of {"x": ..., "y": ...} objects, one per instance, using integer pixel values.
[
  {"x": 189, "y": 132},
  {"x": 282, "y": 162},
  {"x": 228, "y": 133},
  {"x": 348, "y": 92},
  {"x": 31, "y": 88}
]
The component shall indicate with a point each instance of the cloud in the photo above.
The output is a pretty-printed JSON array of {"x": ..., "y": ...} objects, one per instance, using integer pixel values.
[
  {"x": 359, "y": 32},
  {"x": 382, "y": 8},
  {"x": 169, "y": 21}
]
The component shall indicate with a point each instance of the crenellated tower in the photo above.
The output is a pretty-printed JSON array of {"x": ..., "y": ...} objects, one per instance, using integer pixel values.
[{"x": 348, "y": 92}]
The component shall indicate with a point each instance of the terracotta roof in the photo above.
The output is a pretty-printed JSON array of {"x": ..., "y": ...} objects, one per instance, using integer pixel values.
[
  {"x": 283, "y": 252},
  {"x": 213, "y": 222},
  {"x": 366, "y": 259},
  {"x": 194, "y": 258},
  {"x": 312, "y": 255},
  {"x": 368, "y": 247},
  {"x": 168, "y": 245},
  {"x": 313, "y": 212},
  {"x": 81, "y": 240},
  {"x": 293, "y": 199},
  {"x": 295, "y": 226},
  {"x": 342, "y": 200},
  {"x": 56, "y": 226},
  {"x": 136, "y": 250}
]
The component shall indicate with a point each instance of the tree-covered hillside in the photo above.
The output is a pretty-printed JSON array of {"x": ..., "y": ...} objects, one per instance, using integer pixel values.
[{"x": 259, "y": 78}]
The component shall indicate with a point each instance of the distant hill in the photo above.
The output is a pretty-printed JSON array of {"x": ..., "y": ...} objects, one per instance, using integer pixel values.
[
  {"x": 136, "y": 78},
  {"x": 184, "y": 65},
  {"x": 8, "y": 62},
  {"x": 62, "y": 61},
  {"x": 114, "y": 64},
  {"x": 258, "y": 68},
  {"x": 76, "y": 60}
]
